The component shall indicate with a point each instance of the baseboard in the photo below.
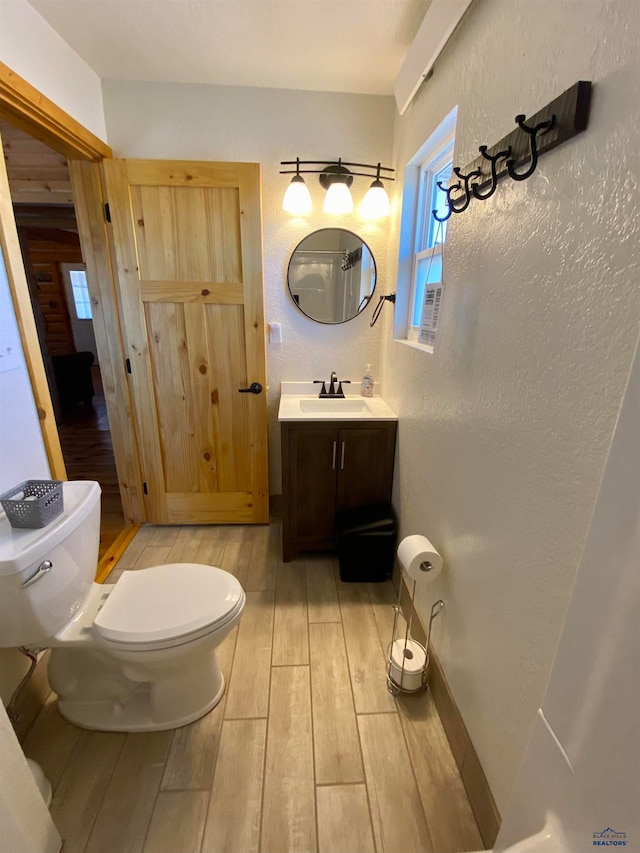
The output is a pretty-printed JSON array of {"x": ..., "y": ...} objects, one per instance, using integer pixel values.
[
  {"x": 475, "y": 782},
  {"x": 111, "y": 557},
  {"x": 275, "y": 506}
]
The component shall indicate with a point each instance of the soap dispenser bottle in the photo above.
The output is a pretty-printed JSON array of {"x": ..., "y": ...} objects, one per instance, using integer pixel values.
[{"x": 367, "y": 382}]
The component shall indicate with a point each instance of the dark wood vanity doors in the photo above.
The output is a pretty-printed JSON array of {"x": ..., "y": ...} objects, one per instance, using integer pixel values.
[{"x": 326, "y": 469}]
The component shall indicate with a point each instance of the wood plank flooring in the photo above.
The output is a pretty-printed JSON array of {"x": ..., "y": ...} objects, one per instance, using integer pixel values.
[{"x": 307, "y": 751}]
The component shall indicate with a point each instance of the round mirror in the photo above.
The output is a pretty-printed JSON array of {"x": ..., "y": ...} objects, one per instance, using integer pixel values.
[{"x": 332, "y": 275}]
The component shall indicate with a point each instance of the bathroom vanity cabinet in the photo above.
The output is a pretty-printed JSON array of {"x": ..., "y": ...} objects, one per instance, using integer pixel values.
[{"x": 328, "y": 467}]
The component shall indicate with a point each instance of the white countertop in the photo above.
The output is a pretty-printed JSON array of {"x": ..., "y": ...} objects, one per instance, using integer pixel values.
[{"x": 299, "y": 401}]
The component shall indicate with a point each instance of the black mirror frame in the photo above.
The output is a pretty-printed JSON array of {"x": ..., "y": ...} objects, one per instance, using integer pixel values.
[{"x": 366, "y": 300}]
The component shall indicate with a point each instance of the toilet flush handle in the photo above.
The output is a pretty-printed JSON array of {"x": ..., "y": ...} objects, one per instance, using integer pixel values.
[{"x": 40, "y": 572}]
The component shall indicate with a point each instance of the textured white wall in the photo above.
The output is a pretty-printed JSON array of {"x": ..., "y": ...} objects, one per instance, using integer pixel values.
[
  {"x": 156, "y": 120},
  {"x": 22, "y": 453},
  {"x": 35, "y": 51},
  {"x": 504, "y": 430}
]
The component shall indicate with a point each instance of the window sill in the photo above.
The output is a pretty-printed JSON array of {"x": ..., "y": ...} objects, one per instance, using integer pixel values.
[{"x": 414, "y": 345}]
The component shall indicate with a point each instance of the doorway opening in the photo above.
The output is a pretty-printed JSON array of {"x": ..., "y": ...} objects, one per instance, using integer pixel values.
[{"x": 43, "y": 206}]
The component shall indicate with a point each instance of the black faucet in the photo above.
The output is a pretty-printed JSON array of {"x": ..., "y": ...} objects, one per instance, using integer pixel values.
[{"x": 333, "y": 392}]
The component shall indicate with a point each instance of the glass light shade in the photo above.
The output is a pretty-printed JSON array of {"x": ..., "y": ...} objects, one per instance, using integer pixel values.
[
  {"x": 297, "y": 198},
  {"x": 338, "y": 199},
  {"x": 376, "y": 202}
]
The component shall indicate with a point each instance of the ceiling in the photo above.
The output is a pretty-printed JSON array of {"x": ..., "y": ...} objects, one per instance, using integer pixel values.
[
  {"x": 322, "y": 45},
  {"x": 37, "y": 174}
]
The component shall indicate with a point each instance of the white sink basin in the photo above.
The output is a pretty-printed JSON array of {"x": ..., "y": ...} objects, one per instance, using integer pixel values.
[
  {"x": 299, "y": 401},
  {"x": 347, "y": 404}
]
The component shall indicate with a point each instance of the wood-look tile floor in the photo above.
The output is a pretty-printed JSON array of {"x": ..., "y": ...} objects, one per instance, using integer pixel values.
[{"x": 307, "y": 751}]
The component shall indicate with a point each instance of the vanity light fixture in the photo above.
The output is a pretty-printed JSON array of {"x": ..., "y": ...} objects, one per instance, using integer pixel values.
[
  {"x": 338, "y": 199},
  {"x": 375, "y": 204},
  {"x": 336, "y": 179},
  {"x": 297, "y": 198}
]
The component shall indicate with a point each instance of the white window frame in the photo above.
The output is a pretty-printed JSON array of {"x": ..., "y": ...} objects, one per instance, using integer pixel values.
[
  {"x": 417, "y": 204},
  {"x": 67, "y": 269},
  {"x": 82, "y": 328},
  {"x": 429, "y": 168}
]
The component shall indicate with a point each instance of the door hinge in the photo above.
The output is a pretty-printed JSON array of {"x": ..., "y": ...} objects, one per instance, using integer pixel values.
[
  {"x": 128, "y": 363},
  {"x": 144, "y": 488},
  {"x": 107, "y": 212}
]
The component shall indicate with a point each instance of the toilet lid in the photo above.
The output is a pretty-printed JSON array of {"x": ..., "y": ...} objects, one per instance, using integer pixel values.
[{"x": 166, "y": 602}]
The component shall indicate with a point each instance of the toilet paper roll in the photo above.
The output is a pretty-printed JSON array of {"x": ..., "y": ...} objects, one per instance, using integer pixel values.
[
  {"x": 419, "y": 558},
  {"x": 414, "y": 658}
]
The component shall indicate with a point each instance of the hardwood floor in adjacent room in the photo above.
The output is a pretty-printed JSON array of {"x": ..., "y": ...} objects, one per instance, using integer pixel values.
[
  {"x": 88, "y": 455},
  {"x": 307, "y": 751}
]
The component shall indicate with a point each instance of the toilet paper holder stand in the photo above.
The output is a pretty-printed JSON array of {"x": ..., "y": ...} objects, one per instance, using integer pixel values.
[{"x": 417, "y": 678}]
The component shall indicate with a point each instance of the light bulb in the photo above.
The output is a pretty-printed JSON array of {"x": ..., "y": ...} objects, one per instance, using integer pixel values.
[
  {"x": 297, "y": 198},
  {"x": 376, "y": 202},
  {"x": 338, "y": 199}
]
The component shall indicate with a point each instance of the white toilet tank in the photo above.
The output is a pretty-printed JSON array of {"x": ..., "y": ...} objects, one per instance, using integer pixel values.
[{"x": 31, "y": 613}]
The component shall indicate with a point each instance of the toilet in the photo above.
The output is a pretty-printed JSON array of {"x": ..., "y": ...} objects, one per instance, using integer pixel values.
[{"x": 137, "y": 655}]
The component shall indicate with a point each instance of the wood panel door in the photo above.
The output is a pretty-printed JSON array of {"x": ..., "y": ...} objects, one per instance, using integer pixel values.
[{"x": 188, "y": 247}]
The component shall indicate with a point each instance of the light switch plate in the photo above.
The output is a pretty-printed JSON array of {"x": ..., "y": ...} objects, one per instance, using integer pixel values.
[{"x": 275, "y": 333}]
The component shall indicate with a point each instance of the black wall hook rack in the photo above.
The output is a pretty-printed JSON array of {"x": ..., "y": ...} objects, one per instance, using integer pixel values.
[
  {"x": 560, "y": 120},
  {"x": 460, "y": 208},
  {"x": 450, "y": 202}
]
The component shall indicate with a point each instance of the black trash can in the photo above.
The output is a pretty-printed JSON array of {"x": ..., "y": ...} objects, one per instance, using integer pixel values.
[{"x": 366, "y": 543}]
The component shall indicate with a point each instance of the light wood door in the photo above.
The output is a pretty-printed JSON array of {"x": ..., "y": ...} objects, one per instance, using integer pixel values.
[{"x": 188, "y": 245}]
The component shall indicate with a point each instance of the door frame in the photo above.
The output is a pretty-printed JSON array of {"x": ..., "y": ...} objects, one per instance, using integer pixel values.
[{"x": 31, "y": 111}]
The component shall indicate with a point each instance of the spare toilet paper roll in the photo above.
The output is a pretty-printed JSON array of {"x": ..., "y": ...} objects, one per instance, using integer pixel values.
[
  {"x": 414, "y": 659},
  {"x": 419, "y": 558}
]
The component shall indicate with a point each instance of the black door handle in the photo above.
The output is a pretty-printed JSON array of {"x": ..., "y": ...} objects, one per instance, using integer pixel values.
[{"x": 254, "y": 388}]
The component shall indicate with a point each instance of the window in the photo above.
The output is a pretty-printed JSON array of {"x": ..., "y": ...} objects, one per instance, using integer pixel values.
[
  {"x": 422, "y": 237},
  {"x": 80, "y": 307},
  {"x": 80, "y": 292},
  {"x": 430, "y": 234}
]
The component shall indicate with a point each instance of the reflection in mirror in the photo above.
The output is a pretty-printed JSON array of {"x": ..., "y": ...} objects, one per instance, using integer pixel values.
[{"x": 332, "y": 275}]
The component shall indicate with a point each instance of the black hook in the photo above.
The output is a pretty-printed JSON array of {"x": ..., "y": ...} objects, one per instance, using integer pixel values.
[
  {"x": 467, "y": 191},
  {"x": 387, "y": 297},
  {"x": 543, "y": 127},
  {"x": 447, "y": 191},
  {"x": 493, "y": 159}
]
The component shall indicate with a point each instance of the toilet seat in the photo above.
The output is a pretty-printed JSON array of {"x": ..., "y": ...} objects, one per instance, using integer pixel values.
[{"x": 165, "y": 606}]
